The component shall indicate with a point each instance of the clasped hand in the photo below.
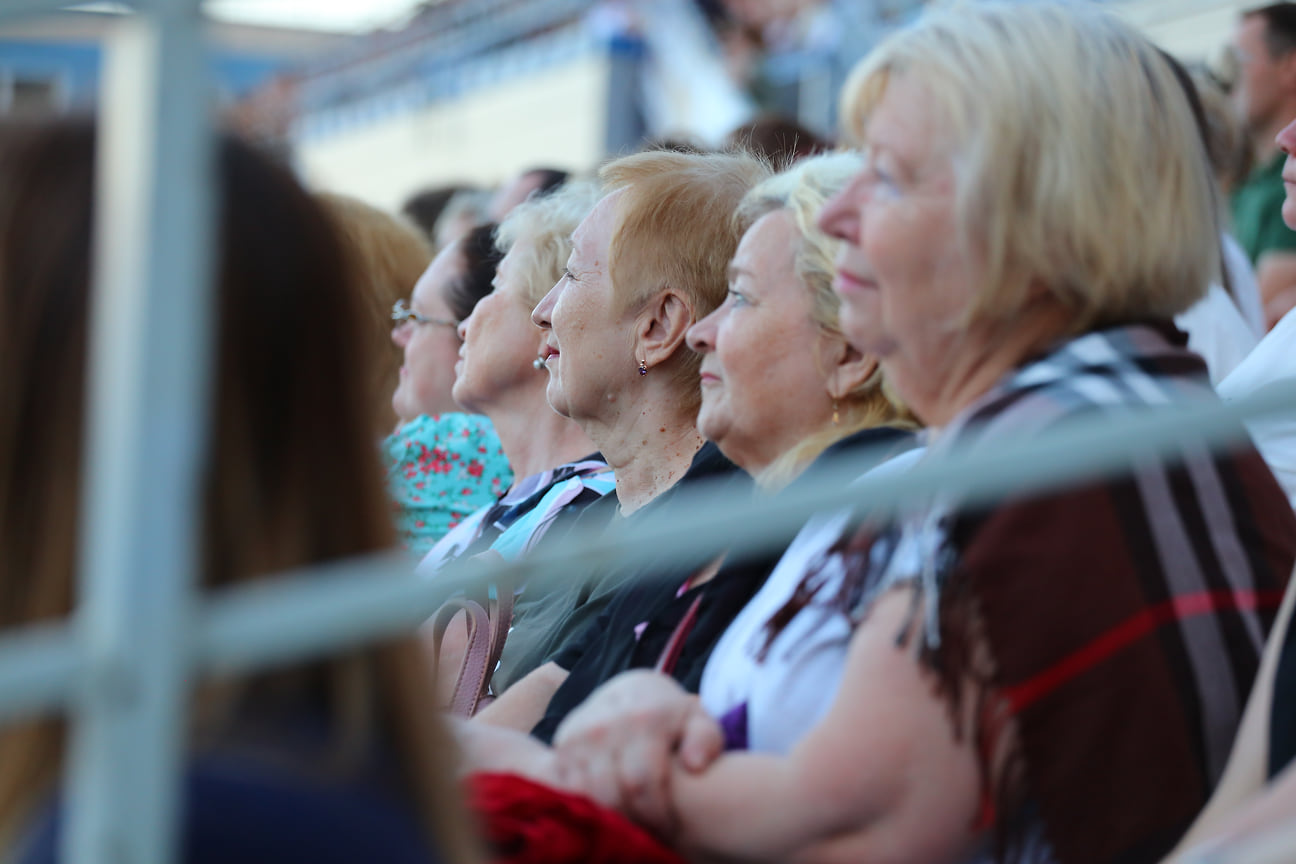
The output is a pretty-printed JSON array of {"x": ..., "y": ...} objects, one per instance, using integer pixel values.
[{"x": 624, "y": 744}]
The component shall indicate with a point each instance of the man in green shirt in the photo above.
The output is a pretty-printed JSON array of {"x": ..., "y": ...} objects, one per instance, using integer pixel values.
[{"x": 1265, "y": 43}]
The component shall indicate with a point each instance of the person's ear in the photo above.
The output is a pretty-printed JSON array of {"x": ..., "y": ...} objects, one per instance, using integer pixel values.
[
  {"x": 847, "y": 368},
  {"x": 662, "y": 327}
]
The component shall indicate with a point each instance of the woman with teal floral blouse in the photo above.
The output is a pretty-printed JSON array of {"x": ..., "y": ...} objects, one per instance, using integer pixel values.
[
  {"x": 439, "y": 470},
  {"x": 442, "y": 464}
]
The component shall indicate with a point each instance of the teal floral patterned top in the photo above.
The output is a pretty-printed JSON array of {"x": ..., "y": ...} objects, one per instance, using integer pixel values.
[{"x": 440, "y": 469}]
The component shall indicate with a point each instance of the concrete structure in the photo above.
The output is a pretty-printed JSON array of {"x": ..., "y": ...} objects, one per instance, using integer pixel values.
[
  {"x": 52, "y": 62},
  {"x": 1192, "y": 30}
]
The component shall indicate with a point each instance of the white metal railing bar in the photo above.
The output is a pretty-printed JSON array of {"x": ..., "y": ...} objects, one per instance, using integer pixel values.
[
  {"x": 13, "y": 9},
  {"x": 39, "y": 667},
  {"x": 146, "y": 436},
  {"x": 346, "y": 603}
]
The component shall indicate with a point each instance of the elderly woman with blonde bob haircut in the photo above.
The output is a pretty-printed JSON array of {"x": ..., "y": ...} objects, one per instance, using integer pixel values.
[
  {"x": 1045, "y": 678},
  {"x": 783, "y": 383}
]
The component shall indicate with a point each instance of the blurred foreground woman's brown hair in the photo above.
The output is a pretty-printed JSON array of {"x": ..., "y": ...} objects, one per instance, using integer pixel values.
[{"x": 290, "y": 477}]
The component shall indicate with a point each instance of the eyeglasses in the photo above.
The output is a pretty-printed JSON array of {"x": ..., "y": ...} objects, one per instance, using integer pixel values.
[{"x": 402, "y": 314}]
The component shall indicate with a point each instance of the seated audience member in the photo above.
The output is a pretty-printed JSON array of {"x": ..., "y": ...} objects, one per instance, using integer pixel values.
[
  {"x": 1274, "y": 434},
  {"x": 1265, "y": 98},
  {"x": 387, "y": 257},
  {"x": 1228, "y": 149},
  {"x": 500, "y": 374},
  {"x": 1055, "y": 676},
  {"x": 1215, "y": 324},
  {"x": 465, "y": 210},
  {"x": 338, "y": 759},
  {"x": 442, "y": 464},
  {"x": 1258, "y": 791},
  {"x": 780, "y": 384},
  {"x": 425, "y": 207},
  {"x": 646, "y": 264},
  {"x": 534, "y": 182},
  {"x": 777, "y": 139}
]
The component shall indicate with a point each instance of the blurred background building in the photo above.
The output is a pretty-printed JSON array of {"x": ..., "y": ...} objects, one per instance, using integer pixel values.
[{"x": 475, "y": 91}]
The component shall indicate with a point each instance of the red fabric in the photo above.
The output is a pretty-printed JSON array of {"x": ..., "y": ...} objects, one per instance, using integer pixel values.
[{"x": 529, "y": 823}]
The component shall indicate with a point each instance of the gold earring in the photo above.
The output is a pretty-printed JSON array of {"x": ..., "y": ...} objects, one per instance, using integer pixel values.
[
  {"x": 836, "y": 418},
  {"x": 643, "y": 368}
]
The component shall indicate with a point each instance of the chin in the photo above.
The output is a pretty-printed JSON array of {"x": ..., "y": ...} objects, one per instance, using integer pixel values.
[{"x": 554, "y": 396}]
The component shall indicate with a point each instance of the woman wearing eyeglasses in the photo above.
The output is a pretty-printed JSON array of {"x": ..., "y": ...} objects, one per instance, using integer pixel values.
[{"x": 442, "y": 464}]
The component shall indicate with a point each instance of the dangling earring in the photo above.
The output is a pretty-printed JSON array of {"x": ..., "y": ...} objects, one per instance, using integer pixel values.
[
  {"x": 643, "y": 368},
  {"x": 836, "y": 419}
]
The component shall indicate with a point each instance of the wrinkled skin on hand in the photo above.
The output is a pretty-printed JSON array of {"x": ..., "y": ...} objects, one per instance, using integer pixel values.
[{"x": 622, "y": 744}]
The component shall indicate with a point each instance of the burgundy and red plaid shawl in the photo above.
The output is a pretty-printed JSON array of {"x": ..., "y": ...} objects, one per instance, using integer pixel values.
[{"x": 1116, "y": 627}]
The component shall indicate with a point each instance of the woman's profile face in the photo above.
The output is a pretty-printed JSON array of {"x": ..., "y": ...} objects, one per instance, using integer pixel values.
[
  {"x": 902, "y": 276},
  {"x": 431, "y": 347},
  {"x": 764, "y": 358},
  {"x": 500, "y": 344},
  {"x": 588, "y": 345}
]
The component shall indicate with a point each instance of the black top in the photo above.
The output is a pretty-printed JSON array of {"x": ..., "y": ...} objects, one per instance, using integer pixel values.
[
  {"x": 632, "y": 631},
  {"x": 1282, "y": 714},
  {"x": 555, "y": 609}
]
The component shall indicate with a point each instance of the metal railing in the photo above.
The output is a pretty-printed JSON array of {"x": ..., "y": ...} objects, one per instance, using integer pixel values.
[{"x": 123, "y": 665}]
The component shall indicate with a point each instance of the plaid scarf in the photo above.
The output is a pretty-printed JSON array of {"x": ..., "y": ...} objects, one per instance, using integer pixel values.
[{"x": 1112, "y": 629}]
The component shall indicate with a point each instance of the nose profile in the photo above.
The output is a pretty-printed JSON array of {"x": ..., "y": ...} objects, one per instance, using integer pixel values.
[
  {"x": 462, "y": 329},
  {"x": 400, "y": 334},
  {"x": 1286, "y": 139},
  {"x": 540, "y": 315},
  {"x": 701, "y": 336},
  {"x": 840, "y": 214}
]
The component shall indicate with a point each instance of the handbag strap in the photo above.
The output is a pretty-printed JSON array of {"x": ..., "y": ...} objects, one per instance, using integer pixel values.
[{"x": 475, "y": 669}]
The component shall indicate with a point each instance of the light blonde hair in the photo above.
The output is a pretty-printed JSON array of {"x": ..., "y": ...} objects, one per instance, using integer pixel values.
[
  {"x": 547, "y": 222},
  {"x": 386, "y": 256},
  {"x": 801, "y": 191},
  {"x": 1077, "y": 159},
  {"x": 674, "y": 228}
]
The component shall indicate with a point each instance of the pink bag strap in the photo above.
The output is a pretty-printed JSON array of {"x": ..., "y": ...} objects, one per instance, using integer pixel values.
[
  {"x": 474, "y": 671},
  {"x": 488, "y": 628}
]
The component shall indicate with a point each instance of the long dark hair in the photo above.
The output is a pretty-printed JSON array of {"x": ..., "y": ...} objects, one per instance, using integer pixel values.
[{"x": 291, "y": 475}]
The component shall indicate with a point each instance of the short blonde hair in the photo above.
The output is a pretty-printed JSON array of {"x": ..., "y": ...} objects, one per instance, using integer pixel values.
[
  {"x": 547, "y": 222},
  {"x": 674, "y": 228},
  {"x": 1077, "y": 159},
  {"x": 801, "y": 191}
]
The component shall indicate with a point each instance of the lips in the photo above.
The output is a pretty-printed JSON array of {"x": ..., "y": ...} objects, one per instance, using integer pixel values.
[
  {"x": 846, "y": 281},
  {"x": 547, "y": 352}
]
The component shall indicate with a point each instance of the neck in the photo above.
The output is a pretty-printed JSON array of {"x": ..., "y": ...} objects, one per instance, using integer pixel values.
[
  {"x": 985, "y": 355},
  {"x": 650, "y": 450},
  {"x": 536, "y": 438}
]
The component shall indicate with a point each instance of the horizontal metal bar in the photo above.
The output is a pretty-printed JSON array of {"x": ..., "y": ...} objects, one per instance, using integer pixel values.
[
  {"x": 313, "y": 611},
  {"x": 319, "y": 610},
  {"x": 39, "y": 668},
  {"x": 359, "y": 600}
]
